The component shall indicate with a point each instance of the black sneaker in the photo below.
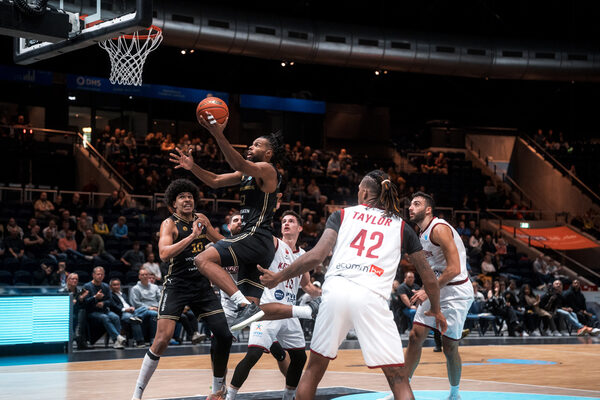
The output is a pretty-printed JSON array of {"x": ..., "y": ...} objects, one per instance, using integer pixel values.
[
  {"x": 314, "y": 306},
  {"x": 246, "y": 316}
]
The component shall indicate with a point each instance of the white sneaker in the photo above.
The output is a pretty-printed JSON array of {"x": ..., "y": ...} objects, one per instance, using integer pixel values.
[
  {"x": 388, "y": 397},
  {"x": 525, "y": 334},
  {"x": 556, "y": 333},
  {"x": 504, "y": 327},
  {"x": 119, "y": 342},
  {"x": 536, "y": 333}
]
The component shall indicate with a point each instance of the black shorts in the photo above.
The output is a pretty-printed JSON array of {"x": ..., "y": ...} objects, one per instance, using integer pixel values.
[
  {"x": 199, "y": 296},
  {"x": 246, "y": 250}
]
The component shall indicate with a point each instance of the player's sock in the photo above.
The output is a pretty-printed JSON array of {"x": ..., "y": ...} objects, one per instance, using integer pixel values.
[
  {"x": 288, "y": 394},
  {"x": 454, "y": 390},
  {"x": 238, "y": 298},
  {"x": 217, "y": 384},
  {"x": 148, "y": 367},
  {"x": 302, "y": 312},
  {"x": 231, "y": 393}
]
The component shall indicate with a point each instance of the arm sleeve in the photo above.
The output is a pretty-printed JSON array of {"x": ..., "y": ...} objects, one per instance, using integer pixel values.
[
  {"x": 334, "y": 221},
  {"x": 410, "y": 240}
]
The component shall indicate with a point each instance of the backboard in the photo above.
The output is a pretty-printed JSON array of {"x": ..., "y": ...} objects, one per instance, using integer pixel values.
[{"x": 92, "y": 21}]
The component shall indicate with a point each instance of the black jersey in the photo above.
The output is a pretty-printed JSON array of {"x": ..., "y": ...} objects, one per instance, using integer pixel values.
[
  {"x": 182, "y": 265},
  {"x": 257, "y": 207}
]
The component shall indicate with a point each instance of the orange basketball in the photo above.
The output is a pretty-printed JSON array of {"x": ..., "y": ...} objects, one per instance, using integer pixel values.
[{"x": 214, "y": 106}]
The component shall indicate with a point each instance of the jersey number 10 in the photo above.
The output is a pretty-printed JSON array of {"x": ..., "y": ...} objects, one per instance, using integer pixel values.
[{"x": 359, "y": 243}]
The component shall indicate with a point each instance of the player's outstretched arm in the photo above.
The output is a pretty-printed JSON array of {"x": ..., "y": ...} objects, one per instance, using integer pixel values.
[
  {"x": 166, "y": 248},
  {"x": 304, "y": 263},
  {"x": 442, "y": 235},
  {"x": 259, "y": 170},
  {"x": 185, "y": 160}
]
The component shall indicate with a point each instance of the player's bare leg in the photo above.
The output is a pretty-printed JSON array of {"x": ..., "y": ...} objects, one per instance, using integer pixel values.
[
  {"x": 164, "y": 332},
  {"x": 209, "y": 264},
  {"x": 397, "y": 378},
  {"x": 317, "y": 365},
  {"x": 412, "y": 356},
  {"x": 453, "y": 363}
]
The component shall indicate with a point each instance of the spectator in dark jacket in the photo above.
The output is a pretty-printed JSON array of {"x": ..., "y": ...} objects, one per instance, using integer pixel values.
[
  {"x": 98, "y": 304},
  {"x": 576, "y": 301}
]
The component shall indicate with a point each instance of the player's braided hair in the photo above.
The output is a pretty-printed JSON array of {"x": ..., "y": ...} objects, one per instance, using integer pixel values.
[
  {"x": 276, "y": 142},
  {"x": 180, "y": 186},
  {"x": 386, "y": 193}
]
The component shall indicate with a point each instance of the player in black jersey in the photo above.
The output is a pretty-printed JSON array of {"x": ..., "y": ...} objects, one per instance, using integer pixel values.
[
  {"x": 181, "y": 239},
  {"x": 259, "y": 184}
]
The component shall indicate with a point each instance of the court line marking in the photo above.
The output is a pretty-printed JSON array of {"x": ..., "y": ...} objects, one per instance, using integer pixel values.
[{"x": 329, "y": 372}]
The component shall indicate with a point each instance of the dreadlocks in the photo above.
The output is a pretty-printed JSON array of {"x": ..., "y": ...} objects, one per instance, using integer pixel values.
[
  {"x": 386, "y": 193},
  {"x": 276, "y": 142}
]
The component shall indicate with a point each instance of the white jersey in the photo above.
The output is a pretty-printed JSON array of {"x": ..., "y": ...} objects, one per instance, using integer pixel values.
[
  {"x": 284, "y": 292},
  {"x": 435, "y": 255},
  {"x": 368, "y": 248}
]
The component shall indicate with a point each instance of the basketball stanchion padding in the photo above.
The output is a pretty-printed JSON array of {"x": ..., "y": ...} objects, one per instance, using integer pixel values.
[{"x": 128, "y": 54}]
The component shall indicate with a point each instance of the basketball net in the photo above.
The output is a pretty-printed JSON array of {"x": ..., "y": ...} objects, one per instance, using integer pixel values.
[{"x": 128, "y": 53}]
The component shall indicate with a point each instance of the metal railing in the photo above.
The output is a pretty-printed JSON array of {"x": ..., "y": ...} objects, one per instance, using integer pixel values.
[
  {"x": 558, "y": 165},
  {"x": 103, "y": 163}
]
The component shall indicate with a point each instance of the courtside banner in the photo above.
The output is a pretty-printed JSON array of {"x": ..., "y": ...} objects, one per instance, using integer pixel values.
[{"x": 559, "y": 238}]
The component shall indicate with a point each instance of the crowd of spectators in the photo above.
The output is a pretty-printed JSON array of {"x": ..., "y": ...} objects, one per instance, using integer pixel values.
[{"x": 112, "y": 249}]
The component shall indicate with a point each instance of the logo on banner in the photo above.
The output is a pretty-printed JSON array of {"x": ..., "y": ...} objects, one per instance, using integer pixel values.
[{"x": 279, "y": 294}]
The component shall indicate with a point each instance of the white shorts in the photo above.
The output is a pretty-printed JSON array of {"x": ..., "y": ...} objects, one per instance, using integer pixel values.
[
  {"x": 287, "y": 332},
  {"x": 455, "y": 302},
  {"x": 347, "y": 305}
]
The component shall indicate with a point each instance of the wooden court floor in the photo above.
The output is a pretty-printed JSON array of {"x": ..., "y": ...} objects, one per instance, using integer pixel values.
[{"x": 561, "y": 369}]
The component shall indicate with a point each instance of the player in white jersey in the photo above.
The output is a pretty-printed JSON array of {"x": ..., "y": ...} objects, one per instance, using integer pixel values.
[
  {"x": 369, "y": 241},
  {"x": 229, "y": 307},
  {"x": 446, "y": 254},
  {"x": 287, "y": 332}
]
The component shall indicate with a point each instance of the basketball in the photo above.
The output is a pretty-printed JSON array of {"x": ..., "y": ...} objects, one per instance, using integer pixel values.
[{"x": 215, "y": 106}]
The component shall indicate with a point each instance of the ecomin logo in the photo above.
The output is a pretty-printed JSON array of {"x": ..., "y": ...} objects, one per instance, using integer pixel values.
[{"x": 376, "y": 270}]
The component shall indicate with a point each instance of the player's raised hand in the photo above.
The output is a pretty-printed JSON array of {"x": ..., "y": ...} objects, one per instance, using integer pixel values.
[
  {"x": 210, "y": 123},
  {"x": 182, "y": 159},
  {"x": 440, "y": 320},
  {"x": 268, "y": 278},
  {"x": 197, "y": 228}
]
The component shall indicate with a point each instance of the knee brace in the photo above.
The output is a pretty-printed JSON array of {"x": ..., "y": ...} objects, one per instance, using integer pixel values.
[{"x": 297, "y": 361}]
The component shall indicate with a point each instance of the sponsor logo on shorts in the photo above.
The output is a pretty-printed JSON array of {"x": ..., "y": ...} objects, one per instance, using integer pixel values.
[
  {"x": 164, "y": 302},
  {"x": 279, "y": 294}
]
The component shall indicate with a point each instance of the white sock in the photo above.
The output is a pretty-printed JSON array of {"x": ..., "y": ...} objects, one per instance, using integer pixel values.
[
  {"x": 288, "y": 394},
  {"x": 217, "y": 384},
  {"x": 454, "y": 390},
  {"x": 304, "y": 312},
  {"x": 231, "y": 393},
  {"x": 238, "y": 298},
  {"x": 148, "y": 367}
]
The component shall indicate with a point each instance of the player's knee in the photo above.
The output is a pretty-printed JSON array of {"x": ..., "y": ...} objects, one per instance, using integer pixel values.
[
  {"x": 416, "y": 335},
  {"x": 200, "y": 261},
  {"x": 298, "y": 356},
  {"x": 450, "y": 347},
  {"x": 253, "y": 355}
]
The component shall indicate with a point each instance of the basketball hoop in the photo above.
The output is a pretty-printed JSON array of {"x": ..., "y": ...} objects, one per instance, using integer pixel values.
[{"x": 128, "y": 53}]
